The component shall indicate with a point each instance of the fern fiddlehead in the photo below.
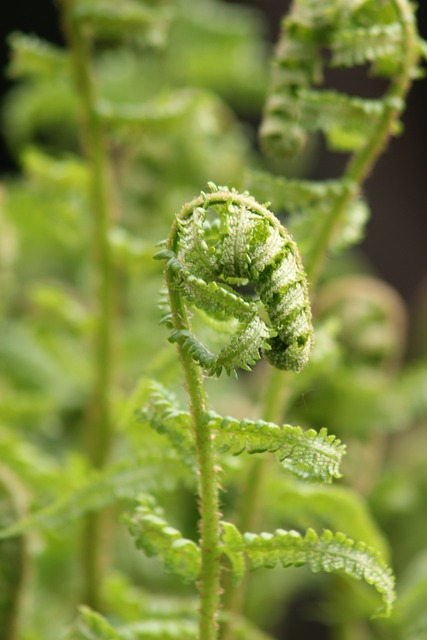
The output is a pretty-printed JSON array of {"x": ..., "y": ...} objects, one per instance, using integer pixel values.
[
  {"x": 380, "y": 34},
  {"x": 244, "y": 244}
]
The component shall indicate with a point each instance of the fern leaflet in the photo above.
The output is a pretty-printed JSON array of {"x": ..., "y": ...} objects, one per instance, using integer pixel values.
[
  {"x": 163, "y": 415},
  {"x": 306, "y": 454},
  {"x": 153, "y": 534},
  {"x": 328, "y": 552},
  {"x": 33, "y": 57},
  {"x": 120, "y": 481},
  {"x": 92, "y": 626},
  {"x": 130, "y": 17}
]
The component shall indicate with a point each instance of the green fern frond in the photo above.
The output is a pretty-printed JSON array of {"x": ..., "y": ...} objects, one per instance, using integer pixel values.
[
  {"x": 245, "y": 630},
  {"x": 307, "y": 454},
  {"x": 19, "y": 406},
  {"x": 350, "y": 231},
  {"x": 40, "y": 112},
  {"x": 128, "y": 602},
  {"x": 351, "y": 47},
  {"x": 354, "y": 34},
  {"x": 163, "y": 415},
  {"x": 340, "y": 508},
  {"x": 156, "y": 537},
  {"x": 35, "y": 468},
  {"x": 68, "y": 173},
  {"x": 308, "y": 203},
  {"x": 111, "y": 20},
  {"x": 160, "y": 630},
  {"x": 154, "y": 114},
  {"x": 60, "y": 305},
  {"x": 232, "y": 547},
  {"x": 35, "y": 58},
  {"x": 28, "y": 366},
  {"x": 242, "y": 350},
  {"x": 244, "y": 244},
  {"x": 328, "y": 552},
  {"x": 348, "y": 122},
  {"x": 92, "y": 626},
  {"x": 120, "y": 481},
  {"x": 295, "y": 196}
]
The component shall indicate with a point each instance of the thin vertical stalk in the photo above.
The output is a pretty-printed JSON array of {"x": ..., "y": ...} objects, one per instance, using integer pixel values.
[
  {"x": 99, "y": 429},
  {"x": 209, "y": 582},
  {"x": 250, "y": 513}
]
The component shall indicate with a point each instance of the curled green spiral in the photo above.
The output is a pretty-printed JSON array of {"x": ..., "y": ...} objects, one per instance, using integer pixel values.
[
  {"x": 220, "y": 242},
  {"x": 318, "y": 36}
]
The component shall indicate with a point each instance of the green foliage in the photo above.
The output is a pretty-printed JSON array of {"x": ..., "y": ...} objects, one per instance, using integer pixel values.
[
  {"x": 92, "y": 626},
  {"x": 13, "y": 557},
  {"x": 153, "y": 534},
  {"x": 112, "y": 133},
  {"x": 306, "y": 454},
  {"x": 110, "y": 21},
  {"x": 246, "y": 244},
  {"x": 335, "y": 507},
  {"x": 308, "y": 203},
  {"x": 166, "y": 418},
  {"x": 297, "y": 105},
  {"x": 120, "y": 481},
  {"x": 328, "y": 552},
  {"x": 35, "y": 58}
]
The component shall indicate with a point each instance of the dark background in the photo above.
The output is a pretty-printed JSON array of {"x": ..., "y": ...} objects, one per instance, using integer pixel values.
[{"x": 397, "y": 190}]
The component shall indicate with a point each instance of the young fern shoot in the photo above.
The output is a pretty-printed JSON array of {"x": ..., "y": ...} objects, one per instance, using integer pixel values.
[{"x": 219, "y": 240}]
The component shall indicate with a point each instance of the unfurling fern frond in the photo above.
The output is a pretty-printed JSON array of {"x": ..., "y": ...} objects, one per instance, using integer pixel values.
[
  {"x": 354, "y": 33},
  {"x": 156, "y": 537},
  {"x": 226, "y": 239},
  {"x": 306, "y": 454},
  {"x": 328, "y": 552}
]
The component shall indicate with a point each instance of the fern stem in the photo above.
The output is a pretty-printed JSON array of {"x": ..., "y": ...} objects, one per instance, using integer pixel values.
[
  {"x": 209, "y": 582},
  {"x": 275, "y": 399},
  {"x": 99, "y": 428},
  {"x": 361, "y": 163}
]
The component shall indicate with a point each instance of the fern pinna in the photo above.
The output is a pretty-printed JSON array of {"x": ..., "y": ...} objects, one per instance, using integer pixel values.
[{"x": 218, "y": 241}]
